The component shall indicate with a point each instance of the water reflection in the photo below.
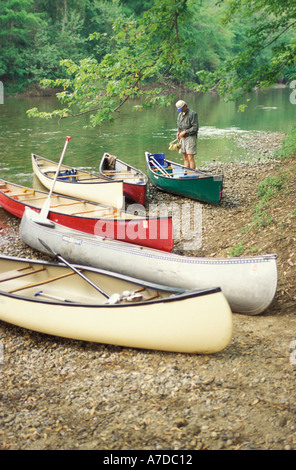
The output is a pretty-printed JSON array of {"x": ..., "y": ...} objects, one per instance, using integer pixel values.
[{"x": 135, "y": 132}]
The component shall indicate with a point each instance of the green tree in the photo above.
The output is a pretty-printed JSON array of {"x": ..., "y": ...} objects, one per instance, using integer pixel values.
[
  {"x": 168, "y": 42},
  {"x": 268, "y": 51},
  {"x": 148, "y": 50},
  {"x": 18, "y": 23},
  {"x": 209, "y": 43},
  {"x": 136, "y": 6},
  {"x": 69, "y": 24},
  {"x": 176, "y": 40},
  {"x": 52, "y": 44},
  {"x": 36, "y": 36},
  {"x": 99, "y": 17}
]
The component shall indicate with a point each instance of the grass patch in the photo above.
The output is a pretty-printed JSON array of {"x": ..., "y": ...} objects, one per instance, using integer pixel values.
[
  {"x": 261, "y": 218},
  {"x": 237, "y": 249},
  {"x": 288, "y": 146},
  {"x": 267, "y": 192},
  {"x": 270, "y": 187},
  {"x": 273, "y": 192}
]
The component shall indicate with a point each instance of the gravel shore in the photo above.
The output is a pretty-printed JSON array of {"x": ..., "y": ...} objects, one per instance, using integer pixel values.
[{"x": 70, "y": 395}]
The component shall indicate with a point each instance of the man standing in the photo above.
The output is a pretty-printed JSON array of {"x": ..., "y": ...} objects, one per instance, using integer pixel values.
[{"x": 187, "y": 124}]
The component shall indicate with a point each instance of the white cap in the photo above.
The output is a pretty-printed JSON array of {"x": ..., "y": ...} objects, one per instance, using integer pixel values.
[{"x": 179, "y": 105}]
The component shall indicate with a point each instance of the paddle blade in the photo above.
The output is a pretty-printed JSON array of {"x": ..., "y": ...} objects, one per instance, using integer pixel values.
[{"x": 45, "y": 209}]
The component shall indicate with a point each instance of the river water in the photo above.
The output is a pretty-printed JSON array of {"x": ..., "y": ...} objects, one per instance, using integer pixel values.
[{"x": 135, "y": 132}]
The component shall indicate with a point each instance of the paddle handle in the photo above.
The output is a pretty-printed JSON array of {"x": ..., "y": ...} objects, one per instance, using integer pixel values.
[
  {"x": 82, "y": 275},
  {"x": 59, "y": 165},
  {"x": 73, "y": 268},
  {"x": 45, "y": 208}
]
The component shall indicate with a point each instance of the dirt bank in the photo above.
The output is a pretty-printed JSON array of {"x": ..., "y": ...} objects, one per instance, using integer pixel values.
[{"x": 63, "y": 394}]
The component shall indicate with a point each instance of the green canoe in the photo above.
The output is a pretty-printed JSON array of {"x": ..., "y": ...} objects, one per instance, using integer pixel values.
[{"x": 178, "y": 179}]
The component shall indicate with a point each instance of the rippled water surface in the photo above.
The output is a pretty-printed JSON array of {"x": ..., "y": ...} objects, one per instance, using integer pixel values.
[{"x": 135, "y": 132}]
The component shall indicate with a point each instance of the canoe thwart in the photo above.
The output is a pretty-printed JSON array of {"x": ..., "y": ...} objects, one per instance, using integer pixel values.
[
  {"x": 39, "y": 283},
  {"x": 14, "y": 274}
]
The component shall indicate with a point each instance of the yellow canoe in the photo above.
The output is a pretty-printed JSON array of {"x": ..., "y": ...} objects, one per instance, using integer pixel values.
[{"x": 55, "y": 299}]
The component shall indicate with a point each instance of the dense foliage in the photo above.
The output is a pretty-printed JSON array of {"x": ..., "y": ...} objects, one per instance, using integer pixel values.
[
  {"x": 37, "y": 35},
  {"x": 100, "y": 53},
  {"x": 268, "y": 50}
]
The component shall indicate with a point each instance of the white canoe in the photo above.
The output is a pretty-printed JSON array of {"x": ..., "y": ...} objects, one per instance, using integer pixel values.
[
  {"x": 78, "y": 183},
  {"x": 53, "y": 299},
  {"x": 248, "y": 283}
]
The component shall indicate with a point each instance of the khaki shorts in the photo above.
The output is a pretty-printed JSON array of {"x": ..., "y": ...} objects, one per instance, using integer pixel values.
[{"x": 188, "y": 145}]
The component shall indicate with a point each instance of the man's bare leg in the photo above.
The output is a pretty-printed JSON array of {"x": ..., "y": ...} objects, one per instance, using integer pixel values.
[{"x": 189, "y": 161}]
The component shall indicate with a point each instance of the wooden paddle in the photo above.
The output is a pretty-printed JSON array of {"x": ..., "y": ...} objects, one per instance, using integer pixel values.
[
  {"x": 42, "y": 216},
  {"x": 162, "y": 170},
  {"x": 112, "y": 299}
]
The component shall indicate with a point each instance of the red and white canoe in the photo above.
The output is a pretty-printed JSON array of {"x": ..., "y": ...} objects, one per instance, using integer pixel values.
[
  {"x": 134, "y": 180},
  {"x": 98, "y": 219}
]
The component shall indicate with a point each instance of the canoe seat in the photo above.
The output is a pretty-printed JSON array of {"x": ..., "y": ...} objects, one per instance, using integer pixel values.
[
  {"x": 185, "y": 176},
  {"x": 71, "y": 203},
  {"x": 67, "y": 175},
  {"x": 110, "y": 161},
  {"x": 23, "y": 193}
]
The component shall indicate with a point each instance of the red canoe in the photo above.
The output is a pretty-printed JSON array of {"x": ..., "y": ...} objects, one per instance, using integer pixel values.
[
  {"x": 134, "y": 180},
  {"x": 88, "y": 217}
]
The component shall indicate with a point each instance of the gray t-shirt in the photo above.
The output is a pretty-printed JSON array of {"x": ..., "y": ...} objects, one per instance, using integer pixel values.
[{"x": 188, "y": 122}]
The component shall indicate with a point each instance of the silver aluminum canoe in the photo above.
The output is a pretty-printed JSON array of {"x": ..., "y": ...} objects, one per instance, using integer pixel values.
[{"x": 248, "y": 283}]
